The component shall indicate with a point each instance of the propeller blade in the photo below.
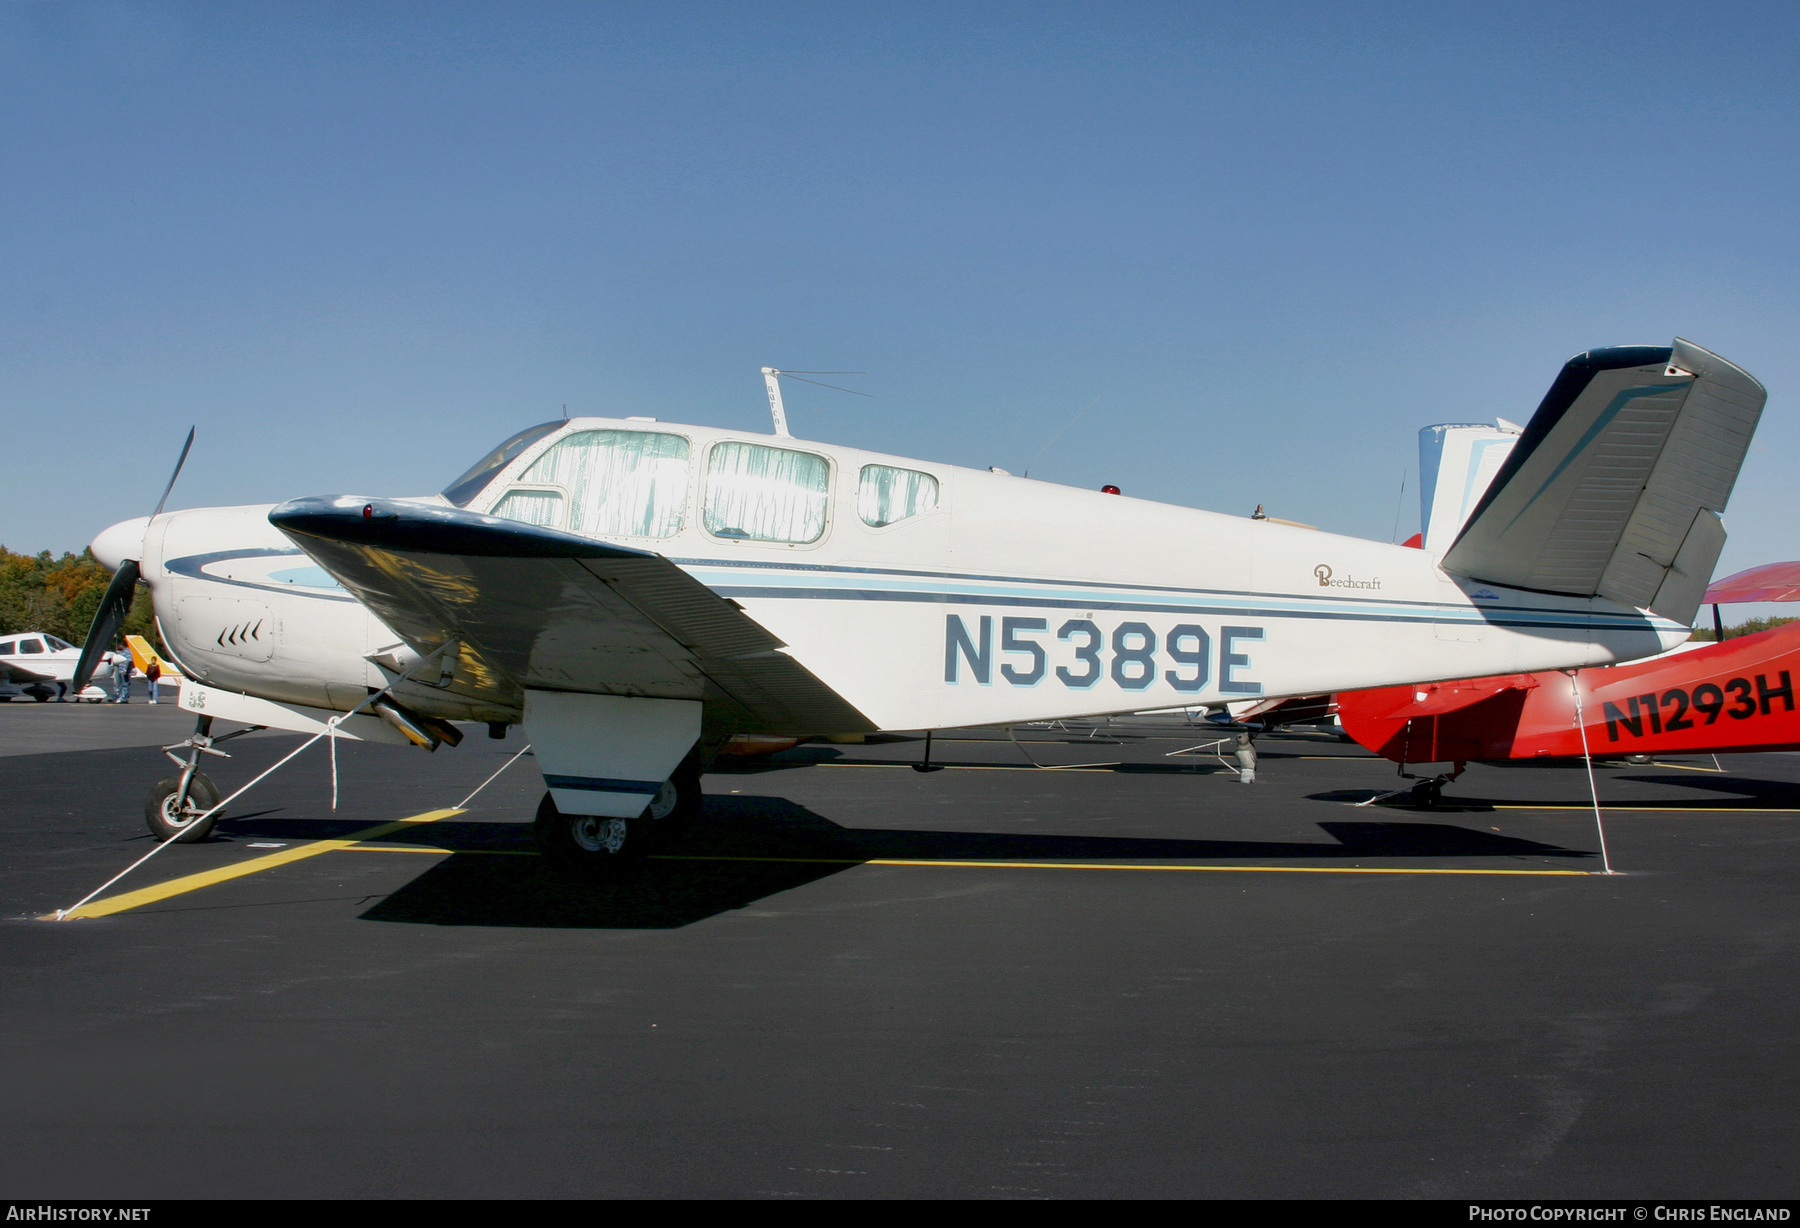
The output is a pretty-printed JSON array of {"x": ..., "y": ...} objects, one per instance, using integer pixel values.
[
  {"x": 182, "y": 460},
  {"x": 114, "y": 606}
]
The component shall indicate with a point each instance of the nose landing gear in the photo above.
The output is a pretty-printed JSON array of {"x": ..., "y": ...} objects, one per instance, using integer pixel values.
[{"x": 175, "y": 804}]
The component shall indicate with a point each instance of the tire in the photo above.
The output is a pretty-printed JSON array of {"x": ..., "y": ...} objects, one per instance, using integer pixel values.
[
  {"x": 165, "y": 824},
  {"x": 590, "y": 844},
  {"x": 680, "y": 801},
  {"x": 41, "y": 696}
]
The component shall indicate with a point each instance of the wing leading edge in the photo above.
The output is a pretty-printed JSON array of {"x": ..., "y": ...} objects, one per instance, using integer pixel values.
[{"x": 537, "y": 608}]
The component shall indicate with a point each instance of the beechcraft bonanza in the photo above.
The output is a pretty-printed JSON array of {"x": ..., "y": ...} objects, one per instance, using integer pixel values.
[{"x": 634, "y": 593}]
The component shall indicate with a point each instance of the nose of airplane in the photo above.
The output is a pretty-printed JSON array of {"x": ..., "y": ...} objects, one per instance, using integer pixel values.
[{"x": 121, "y": 541}]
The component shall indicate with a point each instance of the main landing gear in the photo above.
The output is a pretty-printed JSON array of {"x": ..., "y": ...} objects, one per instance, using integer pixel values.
[
  {"x": 1429, "y": 794},
  {"x": 597, "y": 844}
]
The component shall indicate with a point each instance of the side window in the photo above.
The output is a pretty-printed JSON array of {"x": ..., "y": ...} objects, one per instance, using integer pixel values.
[
  {"x": 766, "y": 494},
  {"x": 539, "y": 507},
  {"x": 7, "y": 649},
  {"x": 886, "y": 495},
  {"x": 30, "y": 646},
  {"x": 619, "y": 484},
  {"x": 57, "y": 645}
]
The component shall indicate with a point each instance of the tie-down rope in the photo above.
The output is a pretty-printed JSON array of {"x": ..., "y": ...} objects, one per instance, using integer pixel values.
[{"x": 330, "y": 731}]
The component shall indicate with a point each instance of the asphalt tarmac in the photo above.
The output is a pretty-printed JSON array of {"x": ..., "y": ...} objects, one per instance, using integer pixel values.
[{"x": 1130, "y": 977}]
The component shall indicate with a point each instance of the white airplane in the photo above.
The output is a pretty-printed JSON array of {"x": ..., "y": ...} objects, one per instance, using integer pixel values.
[
  {"x": 634, "y": 593},
  {"x": 33, "y": 662}
]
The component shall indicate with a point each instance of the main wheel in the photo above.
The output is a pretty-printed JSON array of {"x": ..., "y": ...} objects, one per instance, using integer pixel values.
[
  {"x": 680, "y": 800},
  {"x": 589, "y": 843},
  {"x": 1427, "y": 794},
  {"x": 182, "y": 823}
]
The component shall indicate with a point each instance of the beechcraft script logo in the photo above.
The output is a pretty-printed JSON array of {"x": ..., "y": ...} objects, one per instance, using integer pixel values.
[{"x": 1327, "y": 580}]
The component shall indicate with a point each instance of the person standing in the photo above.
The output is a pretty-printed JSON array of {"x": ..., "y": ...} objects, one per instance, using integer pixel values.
[
  {"x": 122, "y": 676},
  {"x": 152, "y": 672}
]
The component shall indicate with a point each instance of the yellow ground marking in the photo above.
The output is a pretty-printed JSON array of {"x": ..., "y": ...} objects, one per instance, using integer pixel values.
[
  {"x": 255, "y": 865},
  {"x": 1020, "y": 767},
  {"x": 1589, "y": 809},
  {"x": 1105, "y": 766},
  {"x": 972, "y": 767},
  {"x": 1075, "y": 865},
  {"x": 433, "y": 848},
  {"x": 1685, "y": 767},
  {"x": 1000, "y": 865}
]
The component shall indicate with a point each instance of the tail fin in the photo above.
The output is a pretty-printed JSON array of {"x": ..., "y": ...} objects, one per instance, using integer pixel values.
[
  {"x": 143, "y": 652},
  {"x": 1457, "y": 463},
  {"x": 1615, "y": 488}
]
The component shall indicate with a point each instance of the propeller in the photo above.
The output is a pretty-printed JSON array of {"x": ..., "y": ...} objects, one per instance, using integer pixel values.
[{"x": 116, "y": 603}]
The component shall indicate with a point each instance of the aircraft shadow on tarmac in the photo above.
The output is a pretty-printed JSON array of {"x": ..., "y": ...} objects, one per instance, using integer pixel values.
[
  {"x": 1784, "y": 793},
  {"x": 1751, "y": 794},
  {"x": 747, "y": 848}
]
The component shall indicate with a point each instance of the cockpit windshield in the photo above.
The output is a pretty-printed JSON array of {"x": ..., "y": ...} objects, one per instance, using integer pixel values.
[{"x": 463, "y": 491}]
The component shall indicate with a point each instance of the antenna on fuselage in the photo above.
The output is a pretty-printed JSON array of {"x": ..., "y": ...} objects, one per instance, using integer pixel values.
[
  {"x": 777, "y": 411},
  {"x": 1061, "y": 433}
]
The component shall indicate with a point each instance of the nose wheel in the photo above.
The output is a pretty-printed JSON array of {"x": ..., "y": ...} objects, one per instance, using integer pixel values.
[
  {"x": 177, "y": 807},
  {"x": 174, "y": 812}
]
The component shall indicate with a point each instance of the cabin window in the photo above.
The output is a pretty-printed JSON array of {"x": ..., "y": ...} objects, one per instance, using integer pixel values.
[
  {"x": 766, "y": 494},
  {"x": 619, "y": 483},
  {"x": 7, "y": 649},
  {"x": 539, "y": 507},
  {"x": 887, "y": 495},
  {"x": 30, "y": 646},
  {"x": 58, "y": 645}
]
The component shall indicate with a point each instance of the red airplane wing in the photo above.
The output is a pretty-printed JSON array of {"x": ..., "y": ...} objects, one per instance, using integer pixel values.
[{"x": 1770, "y": 582}]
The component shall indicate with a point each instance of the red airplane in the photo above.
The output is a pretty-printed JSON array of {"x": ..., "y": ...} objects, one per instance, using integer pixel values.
[{"x": 1733, "y": 695}]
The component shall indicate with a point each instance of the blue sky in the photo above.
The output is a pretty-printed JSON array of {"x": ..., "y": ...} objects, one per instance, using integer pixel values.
[{"x": 359, "y": 244}]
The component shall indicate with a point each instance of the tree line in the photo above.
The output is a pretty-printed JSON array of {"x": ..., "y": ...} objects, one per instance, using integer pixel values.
[
  {"x": 1748, "y": 627},
  {"x": 39, "y": 592}
]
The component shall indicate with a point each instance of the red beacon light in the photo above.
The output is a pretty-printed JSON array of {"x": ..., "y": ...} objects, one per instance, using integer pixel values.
[{"x": 1109, "y": 490}]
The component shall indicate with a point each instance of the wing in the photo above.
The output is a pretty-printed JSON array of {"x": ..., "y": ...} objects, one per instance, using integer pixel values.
[
  {"x": 1615, "y": 488},
  {"x": 1770, "y": 582},
  {"x": 18, "y": 674},
  {"x": 538, "y": 608}
]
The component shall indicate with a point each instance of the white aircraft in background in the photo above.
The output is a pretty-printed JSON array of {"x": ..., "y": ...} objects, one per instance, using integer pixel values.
[
  {"x": 634, "y": 593},
  {"x": 33, "y": 662}
]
